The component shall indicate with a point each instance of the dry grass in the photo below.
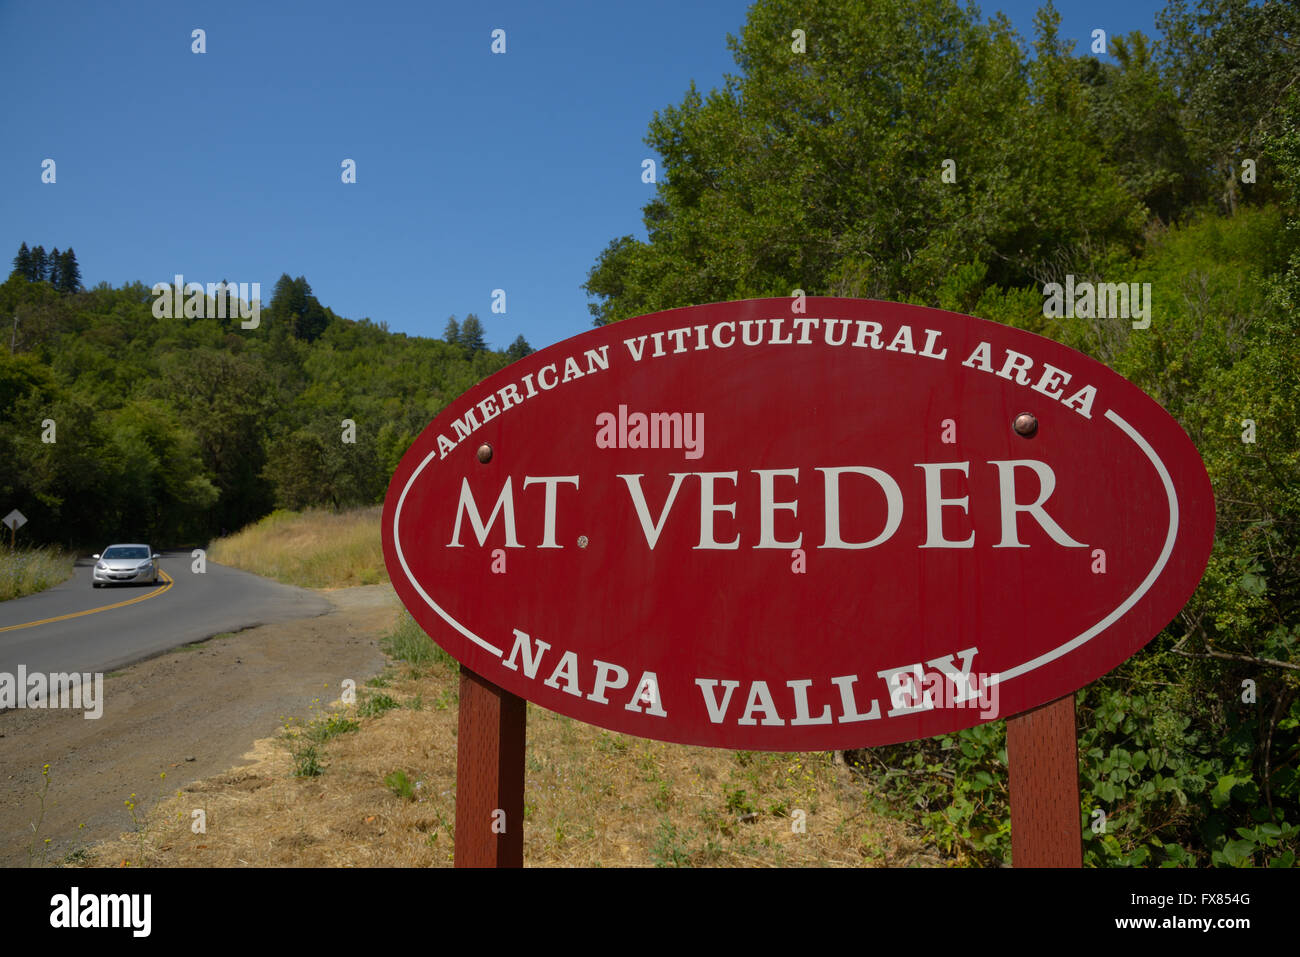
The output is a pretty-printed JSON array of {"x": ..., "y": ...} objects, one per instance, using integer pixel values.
[
  {"x": 29, "y": 570},
  {"x": 373, "y": 783},
  {"x": 592, "y": 797},
  {"x": 312, "y": 549}
]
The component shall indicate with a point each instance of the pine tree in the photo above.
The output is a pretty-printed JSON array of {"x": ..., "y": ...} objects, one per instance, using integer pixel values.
[
  {"x": 38, "y": 264},
  {"x": 312, "y": 322},
  {"x": 471, "y": 334},
  {"x": 452, "y": 332},
  {"x": 286, "y": 304},
  {"x": 294, "y": 306},
  {"x": 281, "y": 295},
  {"x": 69, "y": 271},
  {"x": 518, "y": 349},
  {"x": 310, "y": 318},
  {"x": 54, "y": 268},
  {"x": 23, "y": 262}
]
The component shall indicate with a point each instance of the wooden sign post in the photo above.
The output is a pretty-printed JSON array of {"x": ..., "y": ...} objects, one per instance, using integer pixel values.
[
  {"x": 1043, "y": 766},
  {"x": 1042, "y": 758},
  {"x": 489, "y": 775}
]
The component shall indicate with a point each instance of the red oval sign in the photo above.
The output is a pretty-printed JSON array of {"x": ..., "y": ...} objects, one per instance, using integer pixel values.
[{"x": 749, "y": 526}]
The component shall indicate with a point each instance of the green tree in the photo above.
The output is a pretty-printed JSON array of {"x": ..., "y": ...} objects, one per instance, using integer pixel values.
[
  {"x": 295, "y": 308},
  {"x": 69, "y": 272},
  {"x": 54, "y": 268},
  {"x": 63, "y": 483},
  {"x": 296, "y": 466},
  {"x": 39, "y": 264},
  {"x": 471, "y": 335},
  {"x": 313, "y": 467},
  {"x": 227, "y": 401},
  {"x": 824, "y": 170},
  {"x": 161, "y": 487},
  {"x": 1134, "y": 112},
  {"x": 26, "y": 383},
  {"x": 23, "y": 262},
  {"x": 1233, "y": 63},
  {"x": 518, "y": 349},
  {"x": 286, "y": 297}
]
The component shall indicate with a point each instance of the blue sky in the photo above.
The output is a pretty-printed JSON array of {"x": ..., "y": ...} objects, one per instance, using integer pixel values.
[{"x": 475, "y": 171}]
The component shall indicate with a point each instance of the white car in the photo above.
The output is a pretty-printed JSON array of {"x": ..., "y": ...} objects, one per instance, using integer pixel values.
[{"x": 123, "y": 564}]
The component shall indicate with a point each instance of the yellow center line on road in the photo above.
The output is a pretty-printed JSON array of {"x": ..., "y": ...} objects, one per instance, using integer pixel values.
[{"x": 77, "y": 614}]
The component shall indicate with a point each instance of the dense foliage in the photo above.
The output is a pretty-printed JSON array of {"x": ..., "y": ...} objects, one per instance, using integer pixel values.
[
  {"x": 115, "y": 424},
  {"x": 821, "y": 166}
]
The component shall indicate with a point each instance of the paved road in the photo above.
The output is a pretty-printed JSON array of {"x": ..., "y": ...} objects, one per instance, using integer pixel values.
[{"x": 147, "y": 619}]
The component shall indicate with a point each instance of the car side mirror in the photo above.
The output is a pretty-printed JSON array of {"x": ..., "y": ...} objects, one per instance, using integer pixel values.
[
  {"x": 156, "y": 556},
  {"x": 95, "y": 556}
]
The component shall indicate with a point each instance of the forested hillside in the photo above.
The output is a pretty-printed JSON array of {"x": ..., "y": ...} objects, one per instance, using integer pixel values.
[
  {"x": 910, "y": 151},
  {"x": 115, "y": 424}
]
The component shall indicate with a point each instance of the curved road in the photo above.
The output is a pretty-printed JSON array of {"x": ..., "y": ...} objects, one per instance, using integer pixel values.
[{"x": 74, "y": 627}]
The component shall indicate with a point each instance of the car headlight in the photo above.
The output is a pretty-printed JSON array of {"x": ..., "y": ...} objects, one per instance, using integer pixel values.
[{"x": 101, "y": 566}]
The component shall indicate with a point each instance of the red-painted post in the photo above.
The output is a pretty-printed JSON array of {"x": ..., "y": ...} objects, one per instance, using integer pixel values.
[
  {"x": 489, "y": 775},
  {"x": 1043, "y": 767}
]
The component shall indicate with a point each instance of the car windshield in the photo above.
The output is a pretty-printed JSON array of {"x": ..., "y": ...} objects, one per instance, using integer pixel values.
[{"x": 124, "y": 551}]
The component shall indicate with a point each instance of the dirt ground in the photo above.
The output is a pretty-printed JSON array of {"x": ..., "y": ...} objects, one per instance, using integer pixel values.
[
  {"x": 204, "y": 729},
  {"x": 173, "y": 720}
]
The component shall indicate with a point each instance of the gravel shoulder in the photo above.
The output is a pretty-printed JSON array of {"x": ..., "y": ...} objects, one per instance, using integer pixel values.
[{"x": 175, "y": 719}]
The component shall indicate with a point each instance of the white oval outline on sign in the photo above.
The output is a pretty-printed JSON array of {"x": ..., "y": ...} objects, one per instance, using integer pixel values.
[
  {"x": 1021, "y": 669},
  {"x": 1086, "y": 636},
  {"x": 397, "y": 544}
]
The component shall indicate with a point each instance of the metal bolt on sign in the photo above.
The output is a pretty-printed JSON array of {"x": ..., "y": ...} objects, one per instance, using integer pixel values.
[{"x": 1025, "y": 424}]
